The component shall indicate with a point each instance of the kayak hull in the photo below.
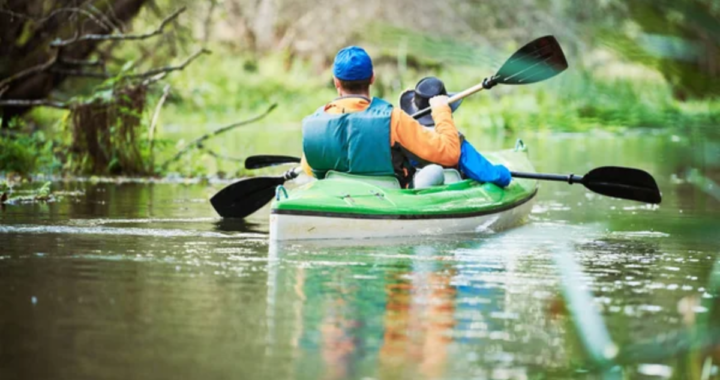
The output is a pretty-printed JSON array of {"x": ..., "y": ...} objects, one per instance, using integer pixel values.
[
  {"x": 308, "y": 227},
  {"x": 347, "y": 207}
]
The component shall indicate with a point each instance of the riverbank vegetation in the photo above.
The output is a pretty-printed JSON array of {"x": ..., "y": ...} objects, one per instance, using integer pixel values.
[{"x": 633, "y": 65}]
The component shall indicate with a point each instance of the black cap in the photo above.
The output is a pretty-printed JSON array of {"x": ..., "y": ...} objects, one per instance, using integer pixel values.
[{"x": 418, "y": 99}]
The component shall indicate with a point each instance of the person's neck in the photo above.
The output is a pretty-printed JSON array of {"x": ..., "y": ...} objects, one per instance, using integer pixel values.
[{"x": 344, "y": 94}]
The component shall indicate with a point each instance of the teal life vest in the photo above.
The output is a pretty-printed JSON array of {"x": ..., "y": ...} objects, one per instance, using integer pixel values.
[{"x": 355, "y": 142}]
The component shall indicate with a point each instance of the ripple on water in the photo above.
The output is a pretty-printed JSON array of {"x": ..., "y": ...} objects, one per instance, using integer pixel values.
[
  {"x": 100, "y": 230},
  {"x": 96, "y": 222}
]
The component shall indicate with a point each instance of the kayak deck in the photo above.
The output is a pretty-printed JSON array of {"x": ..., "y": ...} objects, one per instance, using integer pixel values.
[{"x": 339, "y": 208}]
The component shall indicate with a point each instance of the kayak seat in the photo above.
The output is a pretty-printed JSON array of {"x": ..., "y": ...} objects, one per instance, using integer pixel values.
[
  {"x": 390, "y": 182},
  {"x": 386, "y": 182},
  {"x": 452, "y": 176}
]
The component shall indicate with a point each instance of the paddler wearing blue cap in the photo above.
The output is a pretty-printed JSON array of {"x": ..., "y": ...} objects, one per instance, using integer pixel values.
[{"x": 357, "y": 134}]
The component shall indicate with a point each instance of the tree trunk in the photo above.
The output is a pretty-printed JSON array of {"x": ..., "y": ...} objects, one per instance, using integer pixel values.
[
  {"x": 264, "y": 24},
  {"x": 25, "y": 42}
]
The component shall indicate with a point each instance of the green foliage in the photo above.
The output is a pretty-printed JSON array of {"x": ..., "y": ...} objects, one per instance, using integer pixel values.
[
  {"x": 107, "y": 133},
  {"x": 226, "y": 87},
  {"x": 614, "y": 83},
  {"x": 42, "y": 194},
  {"x": 44, "y": 191},
  {"x": 603, "y": 93},
  {"x": 26, "y": 153}
]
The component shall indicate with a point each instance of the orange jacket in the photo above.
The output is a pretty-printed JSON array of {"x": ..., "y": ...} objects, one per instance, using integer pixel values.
[{"x": 441, "y": 146}]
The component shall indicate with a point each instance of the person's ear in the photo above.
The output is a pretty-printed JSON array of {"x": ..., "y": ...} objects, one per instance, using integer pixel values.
[
  {"x": 336, "y": 82},
  {"x": 372, "y": 78}
]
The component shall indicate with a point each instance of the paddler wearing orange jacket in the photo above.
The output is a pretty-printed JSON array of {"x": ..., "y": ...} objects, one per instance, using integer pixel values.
[{"x": 361, "y": 135}]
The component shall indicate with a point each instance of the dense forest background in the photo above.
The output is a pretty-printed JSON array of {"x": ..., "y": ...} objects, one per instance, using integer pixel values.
[{"x": 143, "y": 87}]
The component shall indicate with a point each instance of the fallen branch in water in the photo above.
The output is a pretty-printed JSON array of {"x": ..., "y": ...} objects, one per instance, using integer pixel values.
[
  {"x": 197, "y": 142},
  {"x": 116, "y": 37}
]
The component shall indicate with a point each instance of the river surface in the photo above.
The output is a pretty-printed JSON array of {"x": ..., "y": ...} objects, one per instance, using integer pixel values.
[{"x": 144, "y": 281}]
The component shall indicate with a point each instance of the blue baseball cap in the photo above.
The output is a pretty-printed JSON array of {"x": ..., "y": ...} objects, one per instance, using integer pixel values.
[{"x": 352, "y": 63}]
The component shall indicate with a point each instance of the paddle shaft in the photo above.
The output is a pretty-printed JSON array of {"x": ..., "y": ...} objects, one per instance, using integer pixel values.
[
  {"x": 572, "y": 178},
  {"x": 460, "y": 95}
]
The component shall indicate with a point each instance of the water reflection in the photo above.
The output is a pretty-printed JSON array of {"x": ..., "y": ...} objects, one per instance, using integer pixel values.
[
  {"x": 405, "y": 310},
  {"x": 141, "y": 281},
  {"x": 419, "y": 316},
  {"x": 482, "y": 306}
]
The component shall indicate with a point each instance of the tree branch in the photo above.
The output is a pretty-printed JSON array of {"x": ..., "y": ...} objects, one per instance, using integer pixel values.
[
  {"x": 154, "y": 73},
  {"x": 5, "y": 83},
  {"x": 40, "y": 21},
  {"x": 81, "y": 73},
  {"x": 222, "y": 157},
  {"x": 197, "y": 142},
  {"x": 168, "y": 69},
  {"x": 208, "y": 21},
  {"x": 118, "y": 23},
  {"x": 32, "y": 103},
  {"x": 153, "y": 123},
  {"x": 81, "y": 62},
  {"x": 102, "y": 16},
  {"x": 153, "y": 79},
  {"x": 115, "y": 37}
]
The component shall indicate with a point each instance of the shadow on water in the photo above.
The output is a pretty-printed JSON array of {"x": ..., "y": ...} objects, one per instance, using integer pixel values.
[{"x": 239, "y": 225}]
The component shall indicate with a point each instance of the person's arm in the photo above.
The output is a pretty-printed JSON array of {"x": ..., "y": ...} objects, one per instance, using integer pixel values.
[{"x": 441, "y": 146}]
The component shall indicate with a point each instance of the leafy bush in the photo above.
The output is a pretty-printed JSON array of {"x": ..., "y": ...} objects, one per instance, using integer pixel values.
[{"x": 26, "y": 153}]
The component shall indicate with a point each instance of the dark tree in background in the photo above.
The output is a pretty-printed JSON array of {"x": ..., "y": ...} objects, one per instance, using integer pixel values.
[
  {"x": 45, "y": 43},
  {"x": 31, "y": 65}
]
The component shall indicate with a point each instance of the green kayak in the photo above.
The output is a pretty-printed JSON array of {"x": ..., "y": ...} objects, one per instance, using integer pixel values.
[{"x": 344, "y": 206}]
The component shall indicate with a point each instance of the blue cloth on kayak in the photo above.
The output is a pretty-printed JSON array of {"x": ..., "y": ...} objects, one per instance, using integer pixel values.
[{"x": 477, "y": 167}]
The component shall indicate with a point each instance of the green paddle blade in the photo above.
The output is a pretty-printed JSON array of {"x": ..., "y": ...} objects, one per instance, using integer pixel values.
[
  {"x": 625, "y": 183},
  {"x": 262, "y": 161},
  {"x": 538, "y": 60},
  {"x": 246, "y": 196}
]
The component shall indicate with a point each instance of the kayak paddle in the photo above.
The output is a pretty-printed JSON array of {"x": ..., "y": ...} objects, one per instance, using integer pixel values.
[
  {"x": 613, "y": 181},
  {"x": 538, "y": 60},
  {"x": 248, "y": 195},
  {"x": 257, "y": 162}
]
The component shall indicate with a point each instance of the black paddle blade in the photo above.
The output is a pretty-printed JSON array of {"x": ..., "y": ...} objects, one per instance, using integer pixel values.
[
  {"x": 246, "y": 196},
  {"x": 625, "y": 183},
  {"x": 257, "y": 162},
  {"x": 538, "y": 60}
]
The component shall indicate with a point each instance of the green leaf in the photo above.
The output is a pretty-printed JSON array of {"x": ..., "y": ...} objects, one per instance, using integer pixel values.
[
  {"x": 105, "y": 95},
  {"x": 127, "y": 66},
  {"x": 44, "y": 191}
]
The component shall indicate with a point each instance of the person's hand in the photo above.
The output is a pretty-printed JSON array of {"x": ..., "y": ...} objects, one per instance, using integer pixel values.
[
  {"x": 503, "y": 175},
  {"x": 439, "y": 100}
]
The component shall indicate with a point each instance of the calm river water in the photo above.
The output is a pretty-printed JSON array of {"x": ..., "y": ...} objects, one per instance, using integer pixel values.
[{"x": 144, "y": 281}]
